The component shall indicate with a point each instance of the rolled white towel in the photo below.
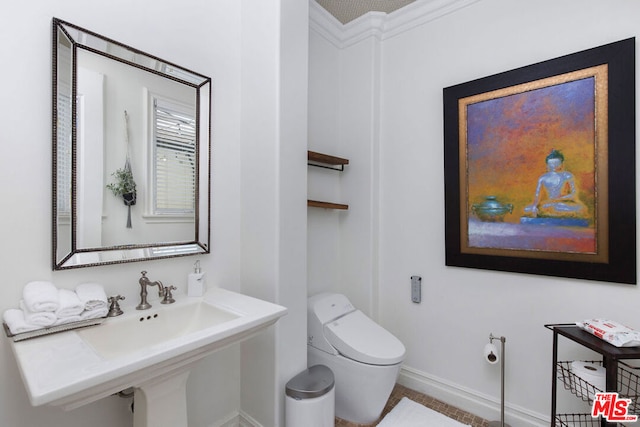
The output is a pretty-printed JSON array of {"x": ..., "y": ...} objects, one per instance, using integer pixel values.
[
  {"x": 16, "y": 322},
  {"x": 94, "y": 314},
  {"x": 70, "y": 304},
  {"x": 40, "y": 296},
  {"x": 68, "y": 319},
  {"x": 39, "y": 318},
  {"x": 92, "y": 295}
]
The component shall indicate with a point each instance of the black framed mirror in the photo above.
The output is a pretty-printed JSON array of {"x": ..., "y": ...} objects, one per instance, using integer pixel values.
[{"x": 131, "y": 153}]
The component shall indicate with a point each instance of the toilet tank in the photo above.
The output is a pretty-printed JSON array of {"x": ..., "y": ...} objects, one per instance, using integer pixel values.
[{"x": 322, "y": 309}]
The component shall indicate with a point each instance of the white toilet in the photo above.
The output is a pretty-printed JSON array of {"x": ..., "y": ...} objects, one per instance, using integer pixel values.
[{"x": 364, "y": 357}]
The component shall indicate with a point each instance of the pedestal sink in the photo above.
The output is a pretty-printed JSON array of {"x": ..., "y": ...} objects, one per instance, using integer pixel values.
[{"x": 150, "y": 350}]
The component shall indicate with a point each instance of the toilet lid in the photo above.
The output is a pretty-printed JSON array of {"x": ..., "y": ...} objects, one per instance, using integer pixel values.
[{"x": 359, "y": 338}]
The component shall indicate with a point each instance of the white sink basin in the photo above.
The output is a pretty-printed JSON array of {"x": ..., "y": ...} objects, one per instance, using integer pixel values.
[
  {"x": 154, "y": 327},
  {"x": 149, "y": 350}
]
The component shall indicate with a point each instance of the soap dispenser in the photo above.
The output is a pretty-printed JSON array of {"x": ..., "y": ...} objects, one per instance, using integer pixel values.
[{"x": 195, "y": 282}]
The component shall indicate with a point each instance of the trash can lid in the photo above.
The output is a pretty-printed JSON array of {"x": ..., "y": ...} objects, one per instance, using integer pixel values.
[{"x": 314, "y": 382}]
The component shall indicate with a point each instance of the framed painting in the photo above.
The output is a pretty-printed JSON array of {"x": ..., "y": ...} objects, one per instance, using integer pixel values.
[{"x": 540, "y": 168}]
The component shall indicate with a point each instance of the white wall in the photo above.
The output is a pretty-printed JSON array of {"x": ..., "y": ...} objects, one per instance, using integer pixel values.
[
  {"x": 445, "y": 334},
  {"x": 274, "y": 124},
  {"x": 323, "y": 238},
  {"x": 208, "y": 38},
  {"x": 344, "y": 121}
]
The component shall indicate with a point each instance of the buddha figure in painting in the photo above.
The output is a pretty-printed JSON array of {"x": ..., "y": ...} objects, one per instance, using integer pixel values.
[{"x": 556, "y": 193}]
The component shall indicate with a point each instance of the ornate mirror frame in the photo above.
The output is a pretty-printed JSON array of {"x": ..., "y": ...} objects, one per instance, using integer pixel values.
[{"x": 67, "y": 252}]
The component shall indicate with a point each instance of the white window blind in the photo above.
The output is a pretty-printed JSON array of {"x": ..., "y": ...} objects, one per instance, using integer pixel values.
[{"x": 175, "y": 159}]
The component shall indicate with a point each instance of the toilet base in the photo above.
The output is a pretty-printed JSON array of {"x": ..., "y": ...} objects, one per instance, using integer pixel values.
[{"x": 361, "y": 390}]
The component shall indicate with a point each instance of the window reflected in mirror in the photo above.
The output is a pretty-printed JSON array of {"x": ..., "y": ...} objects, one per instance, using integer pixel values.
[{"x": 174, "y": 159}]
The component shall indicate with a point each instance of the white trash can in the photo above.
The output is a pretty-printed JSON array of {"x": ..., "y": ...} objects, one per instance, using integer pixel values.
[{"x": 310, "y": 400}]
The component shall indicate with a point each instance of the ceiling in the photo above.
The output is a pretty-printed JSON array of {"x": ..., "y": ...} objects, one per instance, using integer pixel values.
[{"x": 348, "y": 10}]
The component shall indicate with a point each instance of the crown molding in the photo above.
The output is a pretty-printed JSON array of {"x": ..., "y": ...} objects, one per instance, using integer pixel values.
[{"x": 379, "y": 24}]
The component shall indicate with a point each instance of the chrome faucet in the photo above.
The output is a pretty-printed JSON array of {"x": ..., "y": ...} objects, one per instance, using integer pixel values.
[{"x": 144, "y": 282}]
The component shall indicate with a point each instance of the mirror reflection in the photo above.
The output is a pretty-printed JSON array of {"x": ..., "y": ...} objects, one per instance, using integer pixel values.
[{"x": 131, "y": 147}]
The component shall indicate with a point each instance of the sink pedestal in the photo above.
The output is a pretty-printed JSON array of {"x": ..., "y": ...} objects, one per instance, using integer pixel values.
[{"x": 162, "y": 402}]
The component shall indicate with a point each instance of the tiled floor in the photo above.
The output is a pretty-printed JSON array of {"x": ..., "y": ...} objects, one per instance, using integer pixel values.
[{"x": 400, "y": 391}]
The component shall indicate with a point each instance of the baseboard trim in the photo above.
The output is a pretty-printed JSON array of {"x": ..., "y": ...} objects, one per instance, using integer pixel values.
[
  {"x": 231, "y": 420},
  {"x": 482, "y": 405},
  {"x": 246, "y": 420}
]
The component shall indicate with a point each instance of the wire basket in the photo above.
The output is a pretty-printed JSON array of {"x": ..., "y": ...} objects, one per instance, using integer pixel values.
[
  {"x": 573, "y": 420},
  {"x": 579, "y": 420},
  {"x": 628, "y": 384}
]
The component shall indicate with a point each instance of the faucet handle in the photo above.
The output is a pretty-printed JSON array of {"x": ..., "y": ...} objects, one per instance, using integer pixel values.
[
  {"x": 114, "y": 308},
  {"x": 168, "y": 298}
]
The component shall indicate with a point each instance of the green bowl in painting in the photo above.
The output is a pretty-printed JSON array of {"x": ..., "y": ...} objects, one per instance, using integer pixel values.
[{"x": 491, "y": 210}]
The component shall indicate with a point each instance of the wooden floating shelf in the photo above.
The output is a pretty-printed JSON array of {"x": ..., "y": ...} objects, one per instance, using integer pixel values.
[
  {"x": 326, "y": 205},
  {"x": 313, "y": 156},
  {"x": 330, "y": 162}
]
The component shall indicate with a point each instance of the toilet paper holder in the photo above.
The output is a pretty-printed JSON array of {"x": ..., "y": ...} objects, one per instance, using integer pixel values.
[
  {"x": 491, "y": 355},
  {"x": 491, "y": 351}
]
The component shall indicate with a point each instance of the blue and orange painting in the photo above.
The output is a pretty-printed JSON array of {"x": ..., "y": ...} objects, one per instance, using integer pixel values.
[{"x": 531, "y": 159}]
